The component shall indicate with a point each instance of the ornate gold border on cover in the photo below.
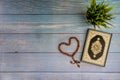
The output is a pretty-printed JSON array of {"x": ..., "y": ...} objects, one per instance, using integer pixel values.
[{"x": 96, "y": 47}]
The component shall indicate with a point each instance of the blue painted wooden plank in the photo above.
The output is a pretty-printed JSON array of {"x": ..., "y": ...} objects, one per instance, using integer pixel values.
[
  {"x": 48, "y": 19},
  {"x": 49, "y": 24},
  {"x": 40, "y": 7},
  {"x": 57, "y": 62},
  {"x": 60, "y": 76},
  {"x": 45, "y": 42},
  {"x": 47, "y": 6}
]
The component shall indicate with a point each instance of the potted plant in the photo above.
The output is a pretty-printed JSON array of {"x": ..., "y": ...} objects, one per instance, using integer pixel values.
[{"x": 99, "y": 14}]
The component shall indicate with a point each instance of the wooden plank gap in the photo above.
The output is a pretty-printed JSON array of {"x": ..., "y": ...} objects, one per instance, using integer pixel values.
[
  {"x": 53, "y": 72},
  {"x": 43, "y": 52}
]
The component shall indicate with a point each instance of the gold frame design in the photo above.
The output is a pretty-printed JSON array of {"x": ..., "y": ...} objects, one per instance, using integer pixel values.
[{"x": 96, "y": 47}]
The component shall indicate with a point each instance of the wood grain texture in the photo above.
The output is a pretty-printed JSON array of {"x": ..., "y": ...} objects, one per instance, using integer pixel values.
[
  {"x": 47, "y": 6},
  {"x": 30, "y": 31},
  {"x": 49, "y": 24},
  {"x": 46, "y": 42},
  {"x": 59, "y": 76},
  {"x": 57, "y": 62}
]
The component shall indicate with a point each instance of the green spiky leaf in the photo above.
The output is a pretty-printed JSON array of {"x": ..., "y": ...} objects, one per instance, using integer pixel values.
[{"x": 99, "y": 14}]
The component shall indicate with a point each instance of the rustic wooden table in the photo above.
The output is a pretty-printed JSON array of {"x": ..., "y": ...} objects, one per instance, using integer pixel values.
[{"x": 30, "y": 31}]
